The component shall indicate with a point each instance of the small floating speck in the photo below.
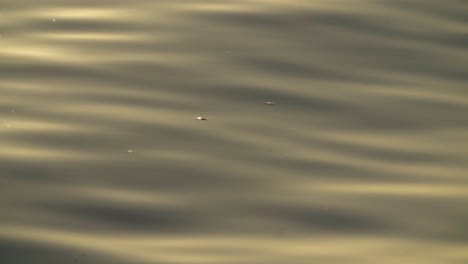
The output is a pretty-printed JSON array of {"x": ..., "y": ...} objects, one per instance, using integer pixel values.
[
  {"x": 201, "y": 118},
  {"x": 270, "y": 103},
  {"x": 130, "y": 151}
]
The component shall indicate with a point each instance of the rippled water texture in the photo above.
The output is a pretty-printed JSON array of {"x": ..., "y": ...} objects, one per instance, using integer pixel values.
[{"x": 363, "y": 159}]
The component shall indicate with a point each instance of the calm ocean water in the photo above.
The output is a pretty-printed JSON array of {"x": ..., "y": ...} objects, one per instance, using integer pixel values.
[{"x": 362, "y": 159}]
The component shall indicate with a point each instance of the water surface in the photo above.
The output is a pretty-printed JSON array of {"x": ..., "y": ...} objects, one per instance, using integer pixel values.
[{"x": 363, "y": 159}]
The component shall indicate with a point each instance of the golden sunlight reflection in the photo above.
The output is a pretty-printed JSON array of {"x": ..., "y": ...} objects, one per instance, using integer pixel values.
[{"x": 235, "y": 132}]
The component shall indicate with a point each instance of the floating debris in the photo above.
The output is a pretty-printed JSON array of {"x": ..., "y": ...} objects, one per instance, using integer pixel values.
[
  {"x": 270, "y": 103},
  {"x": 201, "y": 118}
]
